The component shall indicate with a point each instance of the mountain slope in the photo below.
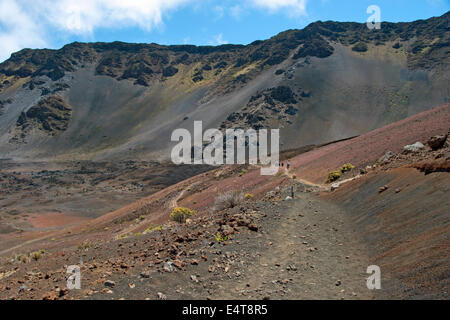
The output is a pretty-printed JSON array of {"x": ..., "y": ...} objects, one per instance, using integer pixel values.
[{"x": 342, "y": 80}]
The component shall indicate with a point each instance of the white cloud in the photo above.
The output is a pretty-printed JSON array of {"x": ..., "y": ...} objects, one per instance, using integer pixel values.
[
  {"x": 38, "y": 23},
  {"x": 81, "y": 16},
  {"x": 236, "y": 11},
  {"x": 219, "y": 10},
  {"x": 25, "y": 23},
  {"x": 17, "y": 30},
  {"x": 218, "y": 40},
  {"x": 295, "y": 7}
]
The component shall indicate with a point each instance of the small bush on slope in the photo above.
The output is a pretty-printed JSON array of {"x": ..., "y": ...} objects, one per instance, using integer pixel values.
[
  {"x": 228, "y": 200},
  {"x": 180, "y": 214}
]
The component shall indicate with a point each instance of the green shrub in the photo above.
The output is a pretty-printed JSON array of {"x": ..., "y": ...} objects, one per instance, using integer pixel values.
[
  {"x": 347, "y": 167},
  {"x": 244, "y": 171},
  {"x": 333, "y": 176},
  {"x": 249, "y": 196},
  {"x": 36, "y": 256},
  {"x": 180, "y": 214},
  {"x": 220, "y": 238}
]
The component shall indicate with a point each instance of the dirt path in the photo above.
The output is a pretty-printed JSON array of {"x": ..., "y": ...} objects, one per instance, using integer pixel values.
[
  {"x": 305, "y": 248},
  {"x": 303, "y": 181},
  {"x": 306, "y": 251}
]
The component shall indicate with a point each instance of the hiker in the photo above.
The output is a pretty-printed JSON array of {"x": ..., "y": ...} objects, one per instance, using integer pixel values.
[
  {"x": 288, "y": 165},
  {"x": 282, "y": 164}
]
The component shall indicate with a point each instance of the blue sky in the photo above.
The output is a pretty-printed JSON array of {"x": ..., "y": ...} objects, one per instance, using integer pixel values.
[{"x": 51, "y": 24}]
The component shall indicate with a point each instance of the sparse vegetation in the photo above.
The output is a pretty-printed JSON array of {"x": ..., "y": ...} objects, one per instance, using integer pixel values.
[
  {"x": 249, "y": 196},
  {"x": 360, "y": 47},
  {"x": 244, "y": 171},
  {"x": 347, "y": 167},
  {"x": 33, "y": 256},
  {"x": 180, "y": 214},
  {"x": 228, "y": 200},
  {"x": 220, "y": 237},
  {"x": 36, "y": 255},
  {"x": 84, "y": 246},
  {"x": 140, "y": 219},
  {"x": 335, "y": 175}
]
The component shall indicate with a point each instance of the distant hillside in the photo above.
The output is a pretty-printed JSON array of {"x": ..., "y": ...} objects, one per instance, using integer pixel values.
[{"x": 326, "y": 82}]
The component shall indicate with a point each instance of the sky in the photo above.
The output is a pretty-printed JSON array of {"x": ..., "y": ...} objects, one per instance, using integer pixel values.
[{"x": 54, "y": 23}]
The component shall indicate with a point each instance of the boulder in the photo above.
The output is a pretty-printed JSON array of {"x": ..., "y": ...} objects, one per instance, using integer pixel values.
[
  {"x": 179, "y": 264},
  {"x": 387, "y": 156},
  {"x": 437, "y": 142},
  {"x": 226, "y": 230},
  {"x": 416, "y": 147},
  {"x": 334, "y": 186},
  {"x": 168, "y": 267},
  {"x": 161, "y": 296}
]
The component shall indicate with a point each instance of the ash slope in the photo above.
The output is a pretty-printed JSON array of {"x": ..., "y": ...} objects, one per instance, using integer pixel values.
[{"x": 326, "y": 82}]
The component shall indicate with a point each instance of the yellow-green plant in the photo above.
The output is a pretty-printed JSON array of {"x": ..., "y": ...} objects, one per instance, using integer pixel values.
[
  {"x": 249, "y": 196},
  {"x": 244, "y": 171},
  {"x": 180, "y": 214},
  {"x": 220, "y": 238},
  {"x": 347, "y": 167},
  {"x": 36, "y": 255},
  {"x": 333, "y": 176}
]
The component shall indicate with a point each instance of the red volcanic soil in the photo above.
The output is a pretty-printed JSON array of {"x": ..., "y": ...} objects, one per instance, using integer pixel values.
[
  {"x": 366, "y": 149},
  {"x": 198, "y": 193},
  {"x": 407, "y": 228},
  {"x": 55, "y": 220}
]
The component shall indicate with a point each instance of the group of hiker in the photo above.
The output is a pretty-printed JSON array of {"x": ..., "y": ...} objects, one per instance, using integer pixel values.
[{"x": 288, "y": 165}]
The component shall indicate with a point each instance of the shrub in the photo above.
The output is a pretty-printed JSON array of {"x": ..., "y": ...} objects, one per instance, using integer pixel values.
[
  {"x": 36, "y": 256},
  {"x": 249, "y": 196},
  {"x": 228, "y": 200},
  {"x": 360, "y": 47},
  {"x": 152, "y": 228},
  {"x": 244, "y": 171},
  {"x": 333, "y": 176},
  {"x": 220, "y": 238},
  {"x": 347, "y": 167},
  {"x": 180, "y": 214}
]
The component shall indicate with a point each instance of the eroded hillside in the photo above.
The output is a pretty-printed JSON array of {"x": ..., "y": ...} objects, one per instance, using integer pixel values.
[{"x": 126, "y": 99}]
